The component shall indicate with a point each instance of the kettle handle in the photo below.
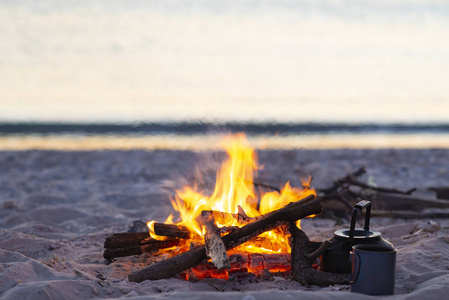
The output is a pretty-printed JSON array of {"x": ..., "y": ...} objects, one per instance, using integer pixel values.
[{"x": 359, "y": 206}]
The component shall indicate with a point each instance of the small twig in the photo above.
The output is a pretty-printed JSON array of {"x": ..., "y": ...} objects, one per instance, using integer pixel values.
[
  {"x": 267, "y": 186},
  {"x": 337, "y": 183}
]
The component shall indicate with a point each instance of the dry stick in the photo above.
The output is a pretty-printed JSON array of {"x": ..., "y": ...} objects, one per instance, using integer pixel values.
[
  {"x": 174, "y": 265},
  {"x": 215, "y": 248},
  {"x": 111, "y": 253},
  {"x": 302, "y": 270}
]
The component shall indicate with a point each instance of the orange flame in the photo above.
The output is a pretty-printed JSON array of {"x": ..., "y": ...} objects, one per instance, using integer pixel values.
[{"x": 234, "y": 187}]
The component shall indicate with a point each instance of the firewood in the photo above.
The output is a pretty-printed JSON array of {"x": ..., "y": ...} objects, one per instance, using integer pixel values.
[
  {"x": 215, "y": 248},
  {"x": 171, "y": 230},
  {"x": 174, "y": 265},
  {"x": 150, "y": 245},
  {"x": 126, "y": 239},
  {"x": 302, "y": 270}
]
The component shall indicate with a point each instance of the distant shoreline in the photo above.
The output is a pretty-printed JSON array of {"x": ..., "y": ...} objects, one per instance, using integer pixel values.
[{"x": 195, "y": 128}]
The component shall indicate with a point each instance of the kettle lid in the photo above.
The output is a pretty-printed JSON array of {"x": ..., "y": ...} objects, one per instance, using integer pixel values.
[{"x": 359, "y": 234}]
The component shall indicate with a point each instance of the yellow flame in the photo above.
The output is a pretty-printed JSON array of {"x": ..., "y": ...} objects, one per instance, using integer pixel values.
[{"x": 234, "y": 187}]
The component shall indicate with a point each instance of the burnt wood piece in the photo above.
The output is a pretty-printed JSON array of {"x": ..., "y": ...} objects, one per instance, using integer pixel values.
[
  {"x": 126, "y": 239},
  {"x": 302, "y": 270},
  {"x": 174, "y": 265},
  {"x": 111, "y": 253},
  {"x": 171, "y": 230},
  {"x": 441, "y": 192},
  {"x": 215, "y": 248}
]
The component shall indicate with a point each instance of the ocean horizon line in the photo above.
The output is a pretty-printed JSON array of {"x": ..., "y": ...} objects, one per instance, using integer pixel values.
[{"x": 194, "y": 128}]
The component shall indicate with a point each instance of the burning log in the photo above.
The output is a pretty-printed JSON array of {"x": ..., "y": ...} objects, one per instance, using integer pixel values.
[
  {"x": 302, "y": 270},
  {"x": 171, "y": 230},
  {"x": 245, "y": 263},
  {"x": 174, "y": 265},
  {"x": 215, "y": 248}
]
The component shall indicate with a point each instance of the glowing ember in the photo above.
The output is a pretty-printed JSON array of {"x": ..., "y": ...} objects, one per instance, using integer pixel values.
[{"x": 234, "y": 187}]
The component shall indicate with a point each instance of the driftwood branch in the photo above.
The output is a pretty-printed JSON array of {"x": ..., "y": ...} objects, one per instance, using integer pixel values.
[
  {"x": 188, "y": 259},
  {"x": 302, "y": 270}
]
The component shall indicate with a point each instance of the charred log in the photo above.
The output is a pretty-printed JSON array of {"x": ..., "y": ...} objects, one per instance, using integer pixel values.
[
  {"x": 171, "y": 230},
  {"x": 302, "y": 270},
  {"x": 126, "y": 239},
  {"x": 150, "y": 245}
]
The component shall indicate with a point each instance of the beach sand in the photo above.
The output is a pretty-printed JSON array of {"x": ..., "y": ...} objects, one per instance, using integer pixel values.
[{"x": 57, "y": 207}]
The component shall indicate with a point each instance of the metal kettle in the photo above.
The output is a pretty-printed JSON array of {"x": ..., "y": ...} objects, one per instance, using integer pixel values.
[{"x": 336, "y": 257}]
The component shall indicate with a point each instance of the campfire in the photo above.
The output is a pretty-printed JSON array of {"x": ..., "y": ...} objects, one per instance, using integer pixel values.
[{"x": 240, "y": 227}]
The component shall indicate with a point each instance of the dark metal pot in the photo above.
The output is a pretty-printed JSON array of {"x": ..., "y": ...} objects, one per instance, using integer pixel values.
[{"x": 336, "y": 258}]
